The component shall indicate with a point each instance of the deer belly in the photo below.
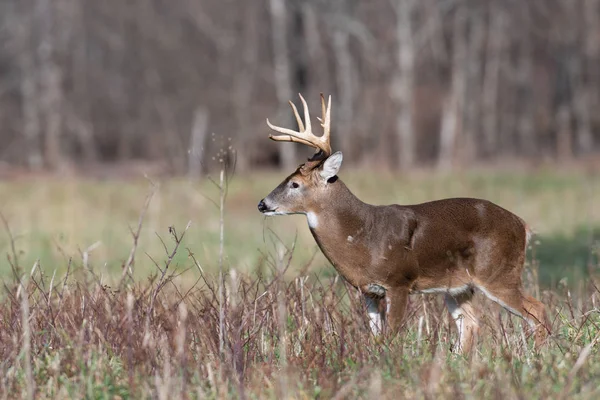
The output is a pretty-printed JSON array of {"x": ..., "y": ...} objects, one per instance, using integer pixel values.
[
  {"x": 452, "y": 283},
  {"x": 451, "y": 290}
]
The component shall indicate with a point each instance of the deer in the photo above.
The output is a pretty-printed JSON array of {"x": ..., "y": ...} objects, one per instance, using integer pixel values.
[{"x": 454, "y": 246}]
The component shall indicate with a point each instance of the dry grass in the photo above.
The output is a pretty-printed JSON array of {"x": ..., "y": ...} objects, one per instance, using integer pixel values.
[{"x": 302, "y": 338}]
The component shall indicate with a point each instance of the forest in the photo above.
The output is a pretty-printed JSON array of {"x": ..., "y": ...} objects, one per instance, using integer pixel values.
[{"x": 438, "y": 83}]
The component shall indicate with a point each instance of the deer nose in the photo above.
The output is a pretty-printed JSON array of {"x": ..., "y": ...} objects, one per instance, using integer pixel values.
[{"x": 262, "y": 207}]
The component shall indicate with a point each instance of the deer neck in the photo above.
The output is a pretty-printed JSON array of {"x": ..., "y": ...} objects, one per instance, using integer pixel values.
[
  {"x": 342, "y": 211},
  {"x": 341, "y": 218}
]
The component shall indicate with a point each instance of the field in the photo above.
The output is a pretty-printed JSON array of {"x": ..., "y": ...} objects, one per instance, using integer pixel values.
[{"x": 291, "y": 328}]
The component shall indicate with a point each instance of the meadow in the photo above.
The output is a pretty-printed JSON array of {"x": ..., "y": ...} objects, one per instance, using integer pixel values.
[{"x": 111, "y": 289}]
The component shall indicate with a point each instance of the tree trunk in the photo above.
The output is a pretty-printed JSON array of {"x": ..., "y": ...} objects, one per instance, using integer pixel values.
[
  {"x": 579, "y": 97},
  {"x": 51, "y": 95},
  {"x": 580, "y": 102},
  {"x": 470, "y": 134},
  {"x": 317, "y": 69},
  {"x": 564, "y": 147},
  {"x": 78, "y": 113},
  {"x": 197, "y": 143},
  {"x": 149, "y": 102},
  {"x": 29, "y": 91},
  {"x": 452, "y": 112},
  {"x": 84, "y": 133},
  {"x": 494, "y": 54},
  {"x": 345, "y": 90},
  {"x": 283, "y": 89},
  {"x": 244, "y": 83},
  {"x": 403, "y": 84},
  {"x": 525, "y": 110},
  {"x": 591, "y": 13}
]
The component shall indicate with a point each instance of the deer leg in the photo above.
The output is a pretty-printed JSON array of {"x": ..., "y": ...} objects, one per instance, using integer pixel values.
[
  {"x": 535, "y": 314},
  {"x": 396, "y": 299},
  {"x": 526, "y": 307},
  {"x": 376, "y": 314},
  {"x": 465, "y": 317}
]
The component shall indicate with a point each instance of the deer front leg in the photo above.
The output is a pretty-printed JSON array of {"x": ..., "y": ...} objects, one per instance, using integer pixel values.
[
  {"x": 396, "y": 299},
  {"x": 374, "y": 295},
  {"x": 376, "y": 313}
]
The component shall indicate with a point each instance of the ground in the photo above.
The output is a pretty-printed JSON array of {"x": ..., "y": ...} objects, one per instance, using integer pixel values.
[{"x": 290, "y": 325}]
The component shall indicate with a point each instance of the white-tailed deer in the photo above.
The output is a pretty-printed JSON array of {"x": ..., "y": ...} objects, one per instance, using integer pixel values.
[{"x": 451, "y": 246}]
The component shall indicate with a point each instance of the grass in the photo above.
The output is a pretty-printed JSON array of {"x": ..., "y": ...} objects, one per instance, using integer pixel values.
[
  {"x": 57, "y": 219},
  {"x": 292, "y": 329},
  {"x": 304, "y": 338}
]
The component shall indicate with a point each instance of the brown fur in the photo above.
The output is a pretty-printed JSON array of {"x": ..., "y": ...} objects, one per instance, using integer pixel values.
[{"x": 440, "y": 245}]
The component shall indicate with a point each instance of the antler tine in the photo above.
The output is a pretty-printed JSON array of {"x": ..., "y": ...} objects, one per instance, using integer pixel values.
[
  {"x": 327, "y": 117},
  {"x": 322, "y": 109},
  {"x": 308, "y": 129},
  {"x": 289, "y": 135},
  {"x": 298, "y": 119},
  {"x": 292, "y": 135},
  {"x": 325, "y": 120},
  {"x": 304, "y": 134}
]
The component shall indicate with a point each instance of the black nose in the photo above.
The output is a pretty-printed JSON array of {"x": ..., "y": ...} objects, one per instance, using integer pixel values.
[{"x": 262, "y": 207}]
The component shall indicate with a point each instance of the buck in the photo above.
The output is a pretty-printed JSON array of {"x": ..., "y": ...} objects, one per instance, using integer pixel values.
[{"x": 453, "y": 246}]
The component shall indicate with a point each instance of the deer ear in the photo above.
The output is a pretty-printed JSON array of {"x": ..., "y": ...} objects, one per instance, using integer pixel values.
[{"x": 332, "y": 165}]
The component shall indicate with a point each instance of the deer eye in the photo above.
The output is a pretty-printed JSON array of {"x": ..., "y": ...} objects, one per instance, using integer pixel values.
[{"x": 295, "y": 185}]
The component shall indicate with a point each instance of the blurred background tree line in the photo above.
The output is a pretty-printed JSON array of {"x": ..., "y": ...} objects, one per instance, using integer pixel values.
[{"x": 440, "y": 83}]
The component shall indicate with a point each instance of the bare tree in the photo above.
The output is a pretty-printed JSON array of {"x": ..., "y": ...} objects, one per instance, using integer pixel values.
[
  {"x": 452, "y": 111},
  {"x": 341, "y": 16},
  {"x": 564, "y": 147},
  {"x": 31, "y": 124},
  {"x": 495, "y": 52},
  {"x": 76, "y": 107},
  {"x": 50, "y": 83},
  {"x": 404, "y": 80},
  {"x": 474, "y": 66},
  {"x": 244, "y": 79},
  {"x": 591, "y": 15},
  {"x": 582, "y": 91},
  {"x": 196, "y": 150},
  {"x": 574, "y": 97},
  {"x": 317, "y": 68},
  {"x": 283, "y": 86},
  {"x": 523, "y": 97}
]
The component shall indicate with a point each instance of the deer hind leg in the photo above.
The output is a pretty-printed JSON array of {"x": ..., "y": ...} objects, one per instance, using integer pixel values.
[
  {"x": 464, "y": 315},
  {"x": 526, "y": 307},
  {"x": 535, "y": 313}
]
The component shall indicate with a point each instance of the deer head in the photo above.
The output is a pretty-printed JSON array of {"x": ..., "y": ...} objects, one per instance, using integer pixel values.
[{"x": 303, "y": 191}]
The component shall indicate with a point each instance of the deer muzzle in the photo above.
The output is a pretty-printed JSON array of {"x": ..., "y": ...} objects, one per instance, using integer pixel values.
[{"x": 262, "y": 207}]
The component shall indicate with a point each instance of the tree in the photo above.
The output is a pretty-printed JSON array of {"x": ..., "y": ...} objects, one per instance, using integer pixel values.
[
  {"x": 283, "y": 84},
  {"x": 404, "y": 81}
]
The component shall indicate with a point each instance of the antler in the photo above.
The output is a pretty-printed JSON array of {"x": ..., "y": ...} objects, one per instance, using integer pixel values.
[{"x": 305, "y": 135}]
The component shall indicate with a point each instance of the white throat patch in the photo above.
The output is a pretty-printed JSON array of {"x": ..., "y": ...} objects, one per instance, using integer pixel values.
[{"x": 313, "y": 220}]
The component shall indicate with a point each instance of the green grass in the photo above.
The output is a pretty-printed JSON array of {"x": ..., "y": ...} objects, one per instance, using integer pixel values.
[
  {"x": 301, "y": 336},
  {"x": 54, "y": 220}
]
